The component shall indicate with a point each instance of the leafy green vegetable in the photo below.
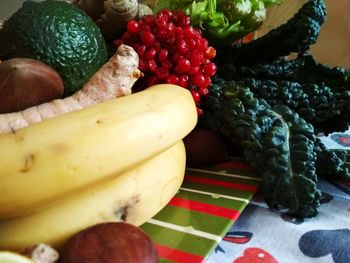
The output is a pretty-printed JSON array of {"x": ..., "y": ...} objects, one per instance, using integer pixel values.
[
  {"x": 332, "y": 162},
  {"x": 234, "y": 10},
  {"x": 257, "y": 15},
  {"x": 222, "y": 21},
  {"x": 327, "y": 109},
  {"x": 275, "y": 141},
  {"x": 273, "y": 108},
  {"x": 296, "y": 35},
  {"x": 318, "y": 92},
  {"x": 303, "y": 69}
]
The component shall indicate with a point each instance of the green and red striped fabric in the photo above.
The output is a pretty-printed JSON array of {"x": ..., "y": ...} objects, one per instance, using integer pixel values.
[{"x": 196, "y": 219}]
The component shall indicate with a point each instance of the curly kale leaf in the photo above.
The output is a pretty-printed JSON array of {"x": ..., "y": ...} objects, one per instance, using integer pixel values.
[
  {"x": 318, "y": 93},
  {"x": 332, "y": 162},
  {"x": 296, "y": 35},
  {"x": 303, "y": 69},
  {"x": 275, "y": 141},
  {"x": 318, "y": 104}
]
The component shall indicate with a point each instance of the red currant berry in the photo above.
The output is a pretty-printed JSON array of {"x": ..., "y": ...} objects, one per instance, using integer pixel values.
[
  {"x": 203, "y": 92},
  {"x": 207, "y": 83},
  {"x": 193, "y": 70},
  {"x": 195, "y": 96},
  {"x": 196, "y": 58},
  {"x": 177, "y": 15},
  {"x": 206, "y": 61},
  {"x": 183, "y": 65},
  {"x": 198, "y": 80},
  {"x": 147, "y": 38},
  {"x": 162, "y": 34},
  {"x": 162, "y": 73},
  {"x": 182, "y": 46},
  {"x": 200, "y": 112},
  {"x": 160, "y": 23},
  {"x": 172, "y": 51},
  {"x": 202, "y": 44},
  {"x": 176, "y": 57},
  {"x": 127, "y": 38},
  {"x": 182, "y": 19},
  {"x": 148, "y": 20},
  {"x": 150, "y": 54},
  {"x": 145, "y": 27},
  {"x": 191, "y": 43},
  {"x": 190, "y": 33},
  {"x": 167, "y": 64},
  {"x": 165, "y": 14},
  {"x": 142, "y": 65},
  {"x": 163, "y": 54},
  {"x": 185, "y": 21},
  {"x": 172, "y": 79},
  {"x": 157, "y": 46},
  {"x": 209, "y": 69},
  {"x": 179, "y": 32},
  {"x": 151, "y": 65},
  {"x": 210, "y": 53},
  {"x": 183, "y": 81},
  {"x": 171, "y": 39},
  {"x": 132, "y": 27},
  {"x": 140, "y": 50},
  {"x": 171, "y": 28}
]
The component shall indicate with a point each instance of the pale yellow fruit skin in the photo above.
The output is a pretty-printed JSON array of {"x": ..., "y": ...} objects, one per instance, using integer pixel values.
[
  {"x": 133, "y": 196},
  {"x": 41, "y": 163},
  {"x": 12, "y": 257}
]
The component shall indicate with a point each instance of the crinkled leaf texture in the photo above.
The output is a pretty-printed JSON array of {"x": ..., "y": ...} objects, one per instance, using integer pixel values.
[
  {"x": 276, "y": 142},
  {"x": 223, "y": 22}
]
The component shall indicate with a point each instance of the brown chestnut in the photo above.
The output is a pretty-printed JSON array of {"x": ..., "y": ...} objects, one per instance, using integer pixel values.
[
  {"x": 116, "y": 242},
  {"x": 27, "y": 82}
]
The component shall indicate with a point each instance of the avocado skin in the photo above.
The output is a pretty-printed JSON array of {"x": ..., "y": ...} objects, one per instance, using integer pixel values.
[{"x": 58, "y": 34}]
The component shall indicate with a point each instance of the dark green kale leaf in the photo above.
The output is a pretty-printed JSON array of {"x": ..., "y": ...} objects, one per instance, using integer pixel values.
[
  {"x": 296, "y": 35},
  {"x": 303, "y": 69},
  {"x": 332, "y": 162},
  {"x": 326, "y": 109},
  {"x": 276, "y": 142}
]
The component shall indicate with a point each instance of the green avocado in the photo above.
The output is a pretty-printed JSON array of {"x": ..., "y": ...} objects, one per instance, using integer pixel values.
[{"x": 58, "y": 34}]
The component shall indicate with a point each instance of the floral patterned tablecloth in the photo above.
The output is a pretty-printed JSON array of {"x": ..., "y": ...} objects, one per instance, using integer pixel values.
[{"x": 263, "y": 236}]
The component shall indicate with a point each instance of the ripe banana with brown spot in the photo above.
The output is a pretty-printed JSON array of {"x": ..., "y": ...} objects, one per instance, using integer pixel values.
[
  {"x": 47, "y": 161},
  {"x": 133, "y": 196}
]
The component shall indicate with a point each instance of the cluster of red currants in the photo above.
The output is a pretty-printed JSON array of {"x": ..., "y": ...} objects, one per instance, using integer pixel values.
[{"x": 172, "y": 51}]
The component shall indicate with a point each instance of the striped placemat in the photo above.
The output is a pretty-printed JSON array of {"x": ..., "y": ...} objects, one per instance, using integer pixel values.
[{"x": 196, "y": 219}]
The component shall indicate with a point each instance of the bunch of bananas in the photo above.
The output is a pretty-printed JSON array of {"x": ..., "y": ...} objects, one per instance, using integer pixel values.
[{"x": 120, "y": 160}]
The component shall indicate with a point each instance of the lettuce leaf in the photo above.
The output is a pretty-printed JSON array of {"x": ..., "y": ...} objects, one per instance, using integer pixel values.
[{"x": 222, "y": 21}]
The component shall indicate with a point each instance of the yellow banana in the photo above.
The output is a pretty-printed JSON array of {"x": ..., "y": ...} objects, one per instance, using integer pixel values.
[
  {"x": 12, "y": 257},
  {"x": 134, "y": 196},
  {"x": 46, "y": 161}
]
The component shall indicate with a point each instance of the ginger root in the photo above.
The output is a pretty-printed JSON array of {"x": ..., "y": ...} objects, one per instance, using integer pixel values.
[
  {"x": 114, "y": 79},
  {"x": 41, "y": 253},
  {"x": 93, "y": 8},
  {"x": 112, "y": 15}
]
